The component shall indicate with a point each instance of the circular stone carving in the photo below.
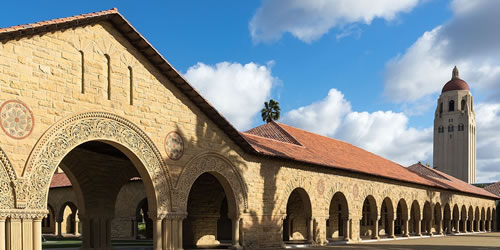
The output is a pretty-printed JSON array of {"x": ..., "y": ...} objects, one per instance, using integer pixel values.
[
  {"x": 320, "y": 186},
  {"x": 174, "y": 145},
  {"x": 16, "y": 119}
]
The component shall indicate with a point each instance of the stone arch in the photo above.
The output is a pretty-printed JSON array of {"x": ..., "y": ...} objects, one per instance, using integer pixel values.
[
  {"x": 338, "y": 217},
  {"x": 369, "y": 217},
  {"x": 222, "y": 169},
  {"x": 294, "y": 183},
  {"x": 67, "y": 134},
  {"x": 387, "y": 216},
  {"x": 298, "y": 224},
  {"x": 7, "y": 179},
  {"x": 60, "y": 210}
]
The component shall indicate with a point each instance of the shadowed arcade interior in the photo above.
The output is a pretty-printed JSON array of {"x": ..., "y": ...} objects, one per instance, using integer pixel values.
[{"x": 97, "y": 172}]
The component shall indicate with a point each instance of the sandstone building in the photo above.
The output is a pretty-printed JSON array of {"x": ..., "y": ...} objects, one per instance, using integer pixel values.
[
  {"x": 455, "y": 131},
  {"x": 89, "y": 95}
]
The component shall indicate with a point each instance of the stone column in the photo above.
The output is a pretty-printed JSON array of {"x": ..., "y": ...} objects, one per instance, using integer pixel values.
[
  {"x": 488, "y": 223},
  {"x": 179, "y": 233},
  {"x": 77, "y": 223},
  {"x": 391, "y": 225},
  {"x": 236, "y": 232},
  {"x": 310, "y": 232},
  {"x": 448, "y": 230},
  {"x": 478, "y": 228},
  {"x": 406, "y": 228},
  {"x": 157, "y": 235},
  {"x": 464, "y": 223},
  {"x": 419, "y": 227},
  {"x": 375, "y": 228},
  {"x": 37, "y": 233},
  {"x": 167, "y": 234},
  {"x": 3, "y": 236},
  {"x": 347, "y": 229},
  {"x": 59, "y": 228}
]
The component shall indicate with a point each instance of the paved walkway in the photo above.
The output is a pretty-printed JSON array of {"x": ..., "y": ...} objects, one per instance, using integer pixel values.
[{"x": 456, "y": 242}]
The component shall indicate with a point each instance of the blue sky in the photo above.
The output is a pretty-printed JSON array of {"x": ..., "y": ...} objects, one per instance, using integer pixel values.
[{"x": 368, "y": 74}]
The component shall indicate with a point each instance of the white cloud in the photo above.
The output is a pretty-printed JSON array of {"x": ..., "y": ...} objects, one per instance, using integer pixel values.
[
  {"x": 309, "y": 20},
  {"x": 237, "y": 91},
  {"x": 488, "y": 142},
  {"x": 383, "y": 132},
  {"x": 468, "y": 40}
]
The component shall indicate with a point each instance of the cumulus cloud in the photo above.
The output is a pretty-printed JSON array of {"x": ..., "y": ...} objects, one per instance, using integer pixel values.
[
  {"x": 468, "y": 40},
  {"x": 309, "y": 20},
  {"x": 237, "y": 91},
  {"x": 382, "y": 132},
  {"x": 488, "y": 142}
]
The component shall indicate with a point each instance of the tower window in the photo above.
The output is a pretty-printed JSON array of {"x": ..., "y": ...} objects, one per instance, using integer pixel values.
[
  {"x": 451, "y": 106},
  {"x": 440, "y": 129},
  {"x": 463, "y": 104},
  {"x": 108, "y": 60},
  {"x": 440, "y": 108},
  {"x": 450, "y": 128},
  {"x": 460, "y": 127}
]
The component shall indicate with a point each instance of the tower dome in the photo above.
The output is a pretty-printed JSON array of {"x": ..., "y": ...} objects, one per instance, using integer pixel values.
[{"x": 455, "y": 83}]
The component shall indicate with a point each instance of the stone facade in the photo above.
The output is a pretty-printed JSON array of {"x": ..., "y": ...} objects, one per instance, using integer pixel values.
[{"x": 103, "y": 125}]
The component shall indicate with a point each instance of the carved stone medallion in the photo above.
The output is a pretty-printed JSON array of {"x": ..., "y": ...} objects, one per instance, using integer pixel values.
[
  {"x": 16, "y": 119},
  {"x": 174, "y": 145},
  {"x": 320, "y": 186},
  {"x": 355, "y": 191}
]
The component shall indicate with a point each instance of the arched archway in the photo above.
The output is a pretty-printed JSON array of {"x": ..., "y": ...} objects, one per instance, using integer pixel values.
[
  {"x": 483, "y": 220},
  {"x": 232, "y": 184},
  {"x": 297, "y": 225},
  {"x": 369, "y": 222},
  {"x": 470, "y": 219},
  {"x": 438, "y": 218},
  {"x": 447, "y": 219},
  {"x": 415, "y": 219},
  {"x": 476, "y": 220},
  {"x": 456, "y": 219},
  {"x": 401, "y": 222},
  {"x": 67, "y": 220},
  {"x": 144, "y": 224},
  {"x": 337, "y": 225},
  {"x": 210, "y": 205},
  {"x": 98, "y": 151},
  {"x": 463, "y": 219},
  {"x": 427, "y": 218},
  {"x": 488, "y": 219},
  {"x": 386, "y": 222}
]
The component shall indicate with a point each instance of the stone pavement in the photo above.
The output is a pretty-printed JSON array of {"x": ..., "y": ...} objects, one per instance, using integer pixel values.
[{"x": 455, "y": 242}]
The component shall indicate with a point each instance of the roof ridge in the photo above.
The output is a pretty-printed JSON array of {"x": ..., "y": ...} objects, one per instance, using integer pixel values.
[
  {"x": 272, "y": 139},
  {"x": 55, "y": 21},
  {"x": 296, "y": 141}
]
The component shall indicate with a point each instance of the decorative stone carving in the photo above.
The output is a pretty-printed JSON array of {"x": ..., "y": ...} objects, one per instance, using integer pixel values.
[
  {"x": 64, "y": 136},
  {"x": 174, "y": 145},
  {"x": 211, "y": 162},
  {"x": 16, "y": 119},
  {"x": 7, "y": 175}
]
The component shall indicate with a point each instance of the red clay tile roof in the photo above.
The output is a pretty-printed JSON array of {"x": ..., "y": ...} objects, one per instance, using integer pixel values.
[
  {"x": 273, "y": 131},
  {"x": 446, "y": 180},
  {"x": 494, "y": 188},
  {"x": 60, "y": 180},
  {"x": 137, "y": 40},
  {"x": 328, "y": 152}
]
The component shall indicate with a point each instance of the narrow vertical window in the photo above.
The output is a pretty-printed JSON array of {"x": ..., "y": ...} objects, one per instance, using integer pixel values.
[
  {"x": 109, "y": 75},
  {"x": 451, "y": 106},
  {"x": 131, "y": 81},
  {"x": 82, "y": 84},
  {"x": 463, "y": 105}
]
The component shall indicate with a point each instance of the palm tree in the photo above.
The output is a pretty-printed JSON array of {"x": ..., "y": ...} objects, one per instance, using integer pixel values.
[{"x": 271, "y": 111}]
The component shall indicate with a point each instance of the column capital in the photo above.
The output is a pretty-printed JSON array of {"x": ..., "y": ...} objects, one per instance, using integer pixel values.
[{"x": 23, "y": 213}]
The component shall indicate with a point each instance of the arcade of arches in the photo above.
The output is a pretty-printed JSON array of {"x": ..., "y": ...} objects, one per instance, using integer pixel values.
[{"x": 90, "y": 96}]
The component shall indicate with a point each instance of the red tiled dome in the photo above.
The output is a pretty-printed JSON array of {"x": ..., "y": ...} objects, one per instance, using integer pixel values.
[{"x": 455, "y": 83}]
